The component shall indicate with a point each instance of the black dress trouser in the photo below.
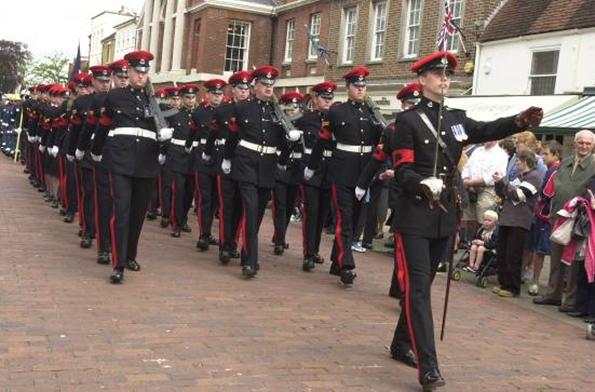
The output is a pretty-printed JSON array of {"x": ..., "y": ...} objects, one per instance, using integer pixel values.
[
  {"x": 103, "y": 208},
  {"x": 417, "y": 258},
  {"x": 284, "y": 197},
  {"x": 347, "y": 211},
  {"x": 316, "y": 206},
  {"x": 230, "y": 213},
  {"x": 254, "y": 200},
  {"x": 88, "y": 202},
  {"x": 206, "y": 187},
  {"x": 182, "y": 193},
  {"x": 130, "y": 197}
]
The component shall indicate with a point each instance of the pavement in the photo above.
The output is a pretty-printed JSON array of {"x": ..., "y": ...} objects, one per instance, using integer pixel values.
[{"x": 187, "y": 323}]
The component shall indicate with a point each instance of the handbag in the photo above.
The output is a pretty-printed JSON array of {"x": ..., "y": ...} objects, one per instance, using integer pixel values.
[
  {"x": 562, "y": 234},
  {"x": 582, "y": 225}
]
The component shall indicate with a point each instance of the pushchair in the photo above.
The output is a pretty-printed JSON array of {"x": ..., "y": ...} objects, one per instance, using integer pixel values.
[{"x": 488, "y": 267}]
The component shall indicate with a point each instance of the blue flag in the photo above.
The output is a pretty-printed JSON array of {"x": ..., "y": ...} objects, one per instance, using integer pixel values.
[{"x": 76, "y": 66}]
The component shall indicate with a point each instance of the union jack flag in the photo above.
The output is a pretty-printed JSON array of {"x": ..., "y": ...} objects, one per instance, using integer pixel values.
[{"x": 447, "y": 28}]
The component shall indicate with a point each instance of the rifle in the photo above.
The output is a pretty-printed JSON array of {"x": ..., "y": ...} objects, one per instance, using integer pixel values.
[
  {"x": 156, "y": 112},
  {"x": 378, "y": 117},
  {"x": 283, "y": 119}
]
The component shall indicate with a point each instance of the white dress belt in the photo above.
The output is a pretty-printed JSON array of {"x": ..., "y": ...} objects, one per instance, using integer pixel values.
[
  {"x": 258, "y": 147},
  {"x": 220, "y": 142},
  {"x": 180, "y": 142},
  {"x": 354, "y": 148},
  {"x": 296, "y": 155},
  {"x": 131, "y": 131},
  {"x": 325, "y": 153}
]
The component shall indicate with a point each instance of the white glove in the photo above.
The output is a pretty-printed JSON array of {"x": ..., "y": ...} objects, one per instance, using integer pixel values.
[
  {"x": 359, "y": 193},
  {"x": 281, "y": 167},
  {"x": 96, "y": 158},
  {"x": 226, "y": 166},
  {"x": 205, "y": 157},
  {"x": 161, "y": 159},
  {"x": 54, "y": 151},
  {"x": 188, "y": 149},
  {"x": 18, "y": 131},
  {"x": 31, "y": 139},
  {"x": 79, "y": 154},
  {"x": 165, "y": 134},
  {"x": 308, "y": 173},
  {"x": 70, "y": 157},
  {"x": 294, "y": 135},
  {"x": 41, "y": 148}
]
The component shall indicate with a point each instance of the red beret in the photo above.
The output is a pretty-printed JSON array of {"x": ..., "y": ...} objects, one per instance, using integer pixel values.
[
  {"x": 410, "y": 91},
  {"x": 119, "y": 66},
  {"x": 189, "y": 89},
  {"x": 357, "y": 75},
  {"x": 241, "y": 79},
  {"x": 58, "y": 91},
  {"x": 292, "y": 97},
  {"x": 101, "y": 72},
  {"x": 160, "y": 93},
  {"x": 72, "y": 86},
  {"x": 438, "y": 60},
  {"x": 139, "y": 60},
  {"x": 215, "y": 85},
  {"x": 266, "y": 74},
  {"x": 325, "y": 88},
  {"x": 172, "y": 91}
]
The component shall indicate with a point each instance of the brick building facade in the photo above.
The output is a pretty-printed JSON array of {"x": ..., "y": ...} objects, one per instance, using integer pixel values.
[{"x": 196, "y": 40}]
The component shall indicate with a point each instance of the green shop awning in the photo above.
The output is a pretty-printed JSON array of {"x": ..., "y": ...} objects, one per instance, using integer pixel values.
[{"x": 578, "y": 115}]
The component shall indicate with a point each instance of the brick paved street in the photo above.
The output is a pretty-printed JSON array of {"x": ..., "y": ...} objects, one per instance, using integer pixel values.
[{"x": 186, "y": 323}]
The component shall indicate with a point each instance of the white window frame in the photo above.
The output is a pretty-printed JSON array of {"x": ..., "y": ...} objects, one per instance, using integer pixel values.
[
  {"x": 533, "y": 76},
  {"x": 412, "y": 25},
  {"x": 349, "y": 35},
  {"x": 452, "y": 41},
  {"x": 315, "y": 22},
  {"x": 245, "y": 47},
  {"x": 380, "y": 12},
  {"x": 289, "y": 40}
]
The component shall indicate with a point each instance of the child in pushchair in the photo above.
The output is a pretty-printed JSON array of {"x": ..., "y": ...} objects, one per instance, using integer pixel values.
[{"x": 484, "y": 242}]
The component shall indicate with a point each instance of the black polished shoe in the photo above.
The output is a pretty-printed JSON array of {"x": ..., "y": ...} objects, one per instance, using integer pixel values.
[
  {"x": 212, "y": 240},
  {"x": 235, "y": 254},
  {"x": 408, "y": 358},
  {"x": 308, "y": 264},
  {"x": 285, "y": 245},
  {"x": 248, "y": 271},
  {"x": 86, "y": 242},
  {"x": 80, "y": 233},
  {"x": 432, "y": 379},
  {"x": 164, "y": 222},
  {"x": 279, "y": 249},
  {"x": 224, "y": 257},
  {"x": 318, "y": 259},
  {"x": 175, "y": 234},
  {"x": 103, "y": 258},
  {"x": 368, "y": 245},
  {"x": 68, "y": 219},
  {"x": 132, "y": 265},
  {"x": 63, "y": 211},
  {"x": 576, "y": 314},
  {"x": 541, "y": 300},
  {"x": 347, "y": 276},
  {"x": 41, "y": 188},
  {"x": 116, "y": 277},
  {"x": 257, "y": 267},
  {"x": 152, "y": 215},
  {"x": 55, "y": 204},
  {"x": 203, "y": 244},
  {"x": 186, "y": 228},
  {"x": 394, "y": 292}
]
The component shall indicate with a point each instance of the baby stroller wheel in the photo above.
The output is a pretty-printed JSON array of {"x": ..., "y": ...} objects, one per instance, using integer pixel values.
[
  {"x": 456, "y": 275},
  {"x": 482, "y": 282}
]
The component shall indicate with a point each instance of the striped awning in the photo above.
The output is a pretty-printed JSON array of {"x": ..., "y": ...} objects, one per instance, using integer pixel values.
[{"x": 573, "y": 118}]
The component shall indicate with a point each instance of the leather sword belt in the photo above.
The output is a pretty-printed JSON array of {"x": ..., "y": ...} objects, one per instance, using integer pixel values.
[
  {"x": 354, "y": 148},
  {"x": 258, "y": 147},
  {"x": 131, "y": 131}
]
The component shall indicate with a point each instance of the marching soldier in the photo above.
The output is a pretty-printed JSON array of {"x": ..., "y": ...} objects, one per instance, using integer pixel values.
[
  {"x": 356, "y": 133},
  {"x": 409, "y": 96},
  {"x": 315, "y": 192},
  {"x": 230, "y": 202},
  {"x": 165, "y": 175},
  {"x": 161, "y": 96},
  {"x": 286, "y": 188},
  {"x": 426, "y": 205},
  {"x": 127, "y": 127},
  {"x": 251, "y": 149},
  {"x": 206, "y": 172},
  {"x": 180, "y": 163},
  {"x": 81, "y": 138}
]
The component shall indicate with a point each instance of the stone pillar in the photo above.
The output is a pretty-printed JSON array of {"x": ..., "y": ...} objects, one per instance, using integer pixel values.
[
  {"x": 167, "y": 37},
  {"x": 147, "y": 24},
  {"x": 154, "y": 43},
  {"x": 178, "y": 36}
]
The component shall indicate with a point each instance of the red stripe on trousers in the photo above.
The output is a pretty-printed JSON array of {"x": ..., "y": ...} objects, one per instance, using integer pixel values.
[
  {"x": 96, "y": 210},
  {"x": 402, "y": 261},
  {"x": 221, "y": 208},
  {"x": 199, "y": 204},
  {"x": 304, "y": 222},
  {"x": 160, "y": 193},
  {"x": 338, "y": 227},
  {"x": 112, "y": 224},
  {"x": 172, "y": 206},
  {"x": 273, "y": 212}
]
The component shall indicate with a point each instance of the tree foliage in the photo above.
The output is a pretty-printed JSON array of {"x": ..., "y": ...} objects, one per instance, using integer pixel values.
[
  {"x": 52, "y": 69},
  {"x": 14, "y": 57}
]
